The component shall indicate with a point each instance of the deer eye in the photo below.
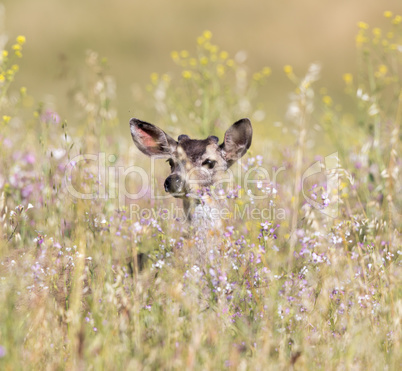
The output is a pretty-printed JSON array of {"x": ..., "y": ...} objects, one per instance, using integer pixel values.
[
  {"x": 171, "y": 163},
  {"x": 209, "y": 163}
]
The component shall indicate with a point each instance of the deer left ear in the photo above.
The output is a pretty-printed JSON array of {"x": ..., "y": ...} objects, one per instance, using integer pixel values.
[
  {"x": 151, "y": 140},
  {"x": 237, "y": 140}
]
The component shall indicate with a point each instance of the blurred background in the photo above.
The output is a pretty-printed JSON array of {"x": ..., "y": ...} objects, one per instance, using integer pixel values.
[{"x": 136, "y": 38}]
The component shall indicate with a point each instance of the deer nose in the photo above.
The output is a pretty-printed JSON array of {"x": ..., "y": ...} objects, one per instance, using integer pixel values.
[{"x": 173, "y": 184}]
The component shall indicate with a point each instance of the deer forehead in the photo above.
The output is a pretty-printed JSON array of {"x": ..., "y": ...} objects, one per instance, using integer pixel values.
[{"x": 193, "y": 152}]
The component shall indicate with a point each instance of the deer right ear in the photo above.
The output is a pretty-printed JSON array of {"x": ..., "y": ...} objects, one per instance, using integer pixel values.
[
  {"x": 151, "y": 140},
  {"x": 237, "y": 140}
]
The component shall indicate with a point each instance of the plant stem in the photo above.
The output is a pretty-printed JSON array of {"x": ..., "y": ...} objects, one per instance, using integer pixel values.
[{"x": 298, "y": 174}]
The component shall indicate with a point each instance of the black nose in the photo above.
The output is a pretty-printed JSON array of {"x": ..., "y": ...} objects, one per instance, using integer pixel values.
[{"x": 173, "y": 184}]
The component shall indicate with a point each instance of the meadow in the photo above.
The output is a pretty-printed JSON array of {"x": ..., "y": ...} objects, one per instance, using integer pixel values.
[{"x": 93, "y": 277}]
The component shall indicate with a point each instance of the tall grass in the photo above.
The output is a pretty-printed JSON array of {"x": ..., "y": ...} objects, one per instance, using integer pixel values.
[{"x": 291, "y": 289}]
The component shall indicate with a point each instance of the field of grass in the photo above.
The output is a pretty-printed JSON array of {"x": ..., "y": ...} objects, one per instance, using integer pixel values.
[{"x": 306, "y": 271}]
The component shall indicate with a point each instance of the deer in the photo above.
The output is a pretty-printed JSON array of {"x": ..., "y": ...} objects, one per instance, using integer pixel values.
[{"x": 196, "y": 166}]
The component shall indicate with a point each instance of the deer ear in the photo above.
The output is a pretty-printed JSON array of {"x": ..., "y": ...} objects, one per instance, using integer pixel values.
[
  {"x": 237, "y": 140},
  {"x": 151, "y": 140}
]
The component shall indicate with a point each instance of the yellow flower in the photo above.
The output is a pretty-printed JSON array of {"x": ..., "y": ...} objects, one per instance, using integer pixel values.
[
  {"x": 257, "y": 76},
  {"x": 200, "y": 40},
  {"x": 18, "y": 54},
  {"x": 154, "y": 77},
  {"x": 348, "y": 78},
  {"x": 6, "y": 119},
  {"x": 288, "y": 69},
  {"x": 387, "y": 14},
  {"x": 220, "y": 70},
  {"x": 5, "y": 53},
  {"x": 230, "y": 63},
  {"x": 397, "y": 19},
  {"x": 174, "y": 55},
  {"x": 213, "y": 49},
  {"x": 223, "y": 55},
  {"x": 377, "y": 31},
  {"x": 207, "y": 34},
  {"x": 363, "y": 25},
  {"x": 21, "y": 40},
  {"x": 16, "y": 47},
  {"x": 23, "y": 90},
  {"x": 184, "y": 54},
  {"x": 15, "y": 67},
  {"x": 382, "y": 71},
  {"x": 327, "y": 100},
  {"x": 360, "y": 39},
  {"x": 2, "y": 78},
  {"x": 204, "y": 61},
  {"x": 383, "y": 68},
  {"x": 207, "y": 45},
  {"x": 266, "y": 71},
  {"x": 187, "y": 74},
  {"x": 166, "y": 77}
]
